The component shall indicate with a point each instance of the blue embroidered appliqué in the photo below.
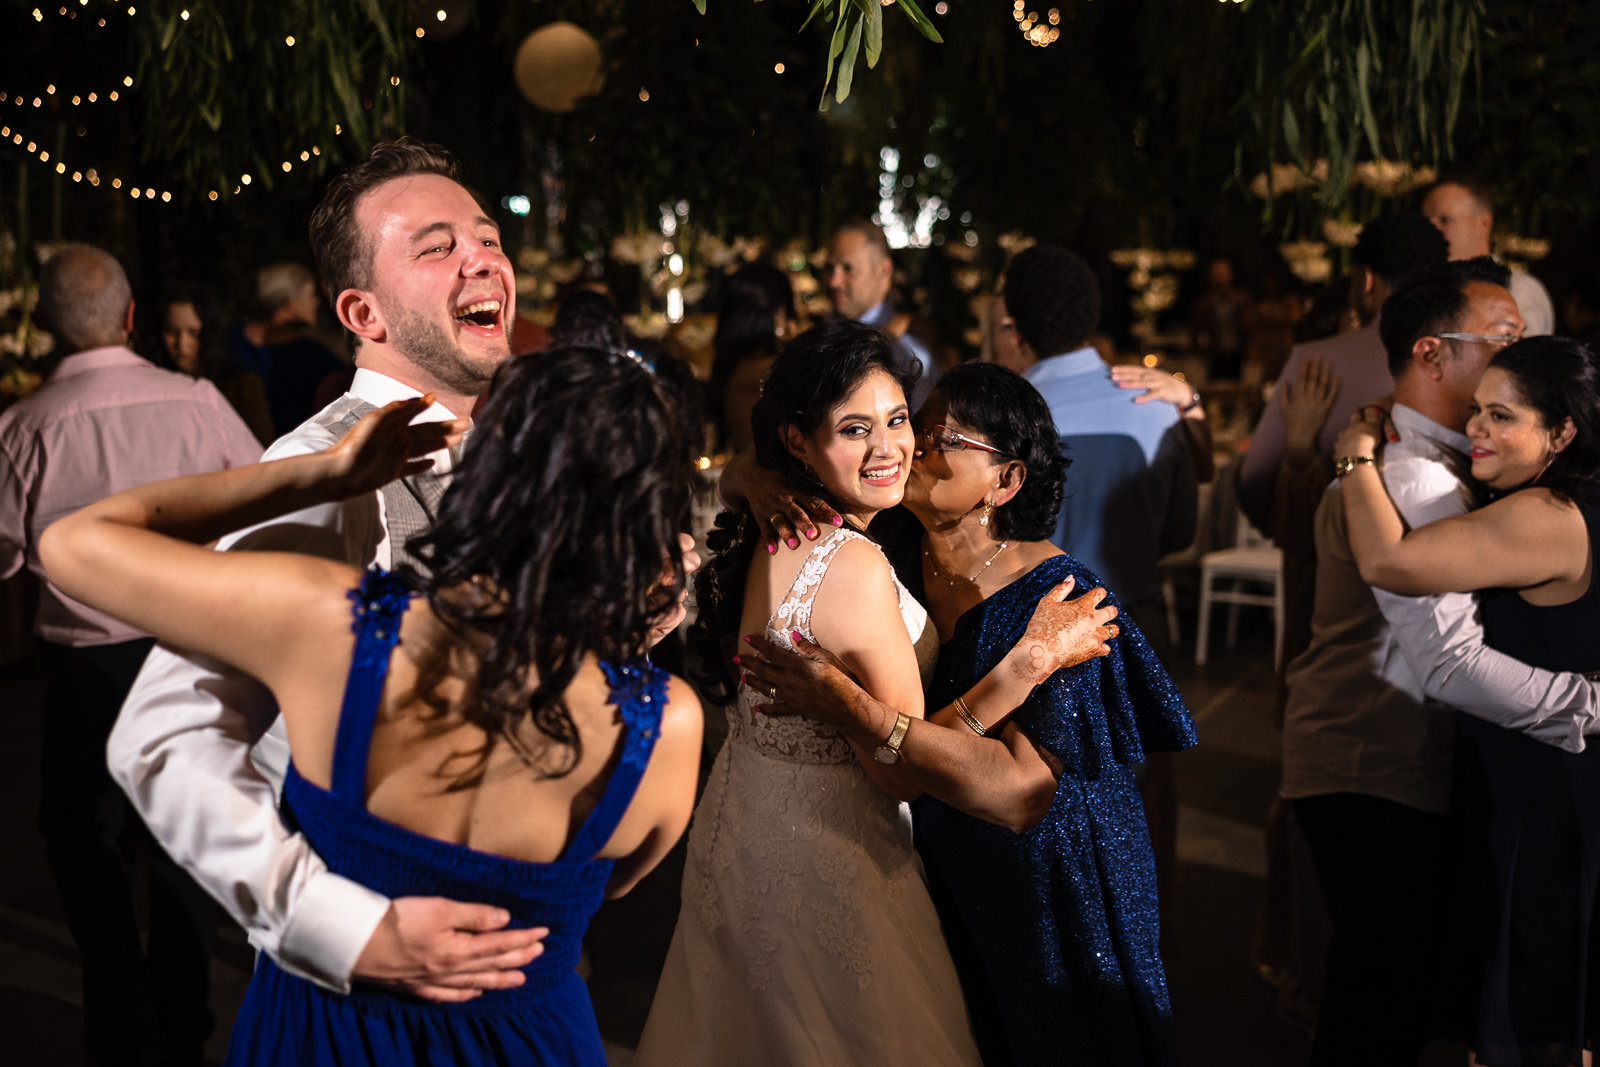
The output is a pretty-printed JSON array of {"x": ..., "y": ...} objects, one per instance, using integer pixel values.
[
  {"x": 378, "y": 602},
  {"x": 639, "y": 690}
]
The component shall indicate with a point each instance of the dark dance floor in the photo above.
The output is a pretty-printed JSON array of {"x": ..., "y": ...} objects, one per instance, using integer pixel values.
[{"x": 1225, "y": 1015}]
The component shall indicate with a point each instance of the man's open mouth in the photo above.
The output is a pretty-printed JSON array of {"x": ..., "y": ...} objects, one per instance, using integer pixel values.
[{"x": 485, "y": 314}]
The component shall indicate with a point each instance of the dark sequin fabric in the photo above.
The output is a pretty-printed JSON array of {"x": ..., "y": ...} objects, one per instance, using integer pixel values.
[{"x": 1054, "y": 931}]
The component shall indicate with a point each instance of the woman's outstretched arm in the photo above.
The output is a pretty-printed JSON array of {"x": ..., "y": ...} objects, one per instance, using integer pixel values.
[
  {"x": 1523, "y": 540},
  {"x": 137, "y": 555},
  {"x": 1002, "y": 776}
]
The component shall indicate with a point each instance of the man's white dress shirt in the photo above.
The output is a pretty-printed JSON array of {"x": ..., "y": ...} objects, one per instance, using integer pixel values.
[
  {"x": 1357, "y": 720},
  {"x": 181, "y": 748}
]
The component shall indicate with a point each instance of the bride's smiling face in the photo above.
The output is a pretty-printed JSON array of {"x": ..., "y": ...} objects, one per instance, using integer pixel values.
[{"x": 862, "y": 452}]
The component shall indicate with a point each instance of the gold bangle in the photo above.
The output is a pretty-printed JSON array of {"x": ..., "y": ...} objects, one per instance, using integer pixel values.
[{"x": 968, "y": 718}]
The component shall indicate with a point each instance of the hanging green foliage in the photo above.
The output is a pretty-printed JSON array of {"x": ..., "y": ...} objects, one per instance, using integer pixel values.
[
  {"x": 241, "y": 87},
  {"x": 857, "y": 27},
  {"x": 1336, "y": 81}
]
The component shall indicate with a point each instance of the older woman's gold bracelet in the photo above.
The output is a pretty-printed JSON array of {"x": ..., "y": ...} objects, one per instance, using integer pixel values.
[{"x": 968, "y": 718}]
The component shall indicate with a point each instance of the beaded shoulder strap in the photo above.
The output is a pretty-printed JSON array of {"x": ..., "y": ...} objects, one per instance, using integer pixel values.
[
  {"x": 377, "y": 604},
  {"x": 639, "y": 691}
]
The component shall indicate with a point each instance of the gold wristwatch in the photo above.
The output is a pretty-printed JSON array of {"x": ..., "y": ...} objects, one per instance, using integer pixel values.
[
  {"x": 1345, "y": 464},
  {"x": 889, "y": 751}
]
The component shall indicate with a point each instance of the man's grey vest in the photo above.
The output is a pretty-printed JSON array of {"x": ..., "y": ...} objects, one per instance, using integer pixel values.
[{"x": 409, "y": 504}]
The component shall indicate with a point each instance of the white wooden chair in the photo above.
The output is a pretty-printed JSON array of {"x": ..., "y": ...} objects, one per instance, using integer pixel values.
[{"x": 1254, "y": 561}]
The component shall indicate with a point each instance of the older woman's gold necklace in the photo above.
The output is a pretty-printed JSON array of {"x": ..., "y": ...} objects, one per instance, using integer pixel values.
[{"x": 951, "y": 581}]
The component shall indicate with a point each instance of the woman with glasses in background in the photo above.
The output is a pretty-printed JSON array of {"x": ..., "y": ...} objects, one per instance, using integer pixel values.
[
  {"x": 1030, "y": 823},
  {"x": 1527, "y": 974}
]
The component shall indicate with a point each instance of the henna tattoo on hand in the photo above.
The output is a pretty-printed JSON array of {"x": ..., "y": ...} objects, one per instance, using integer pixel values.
[{"x": 1037, "y": 667}]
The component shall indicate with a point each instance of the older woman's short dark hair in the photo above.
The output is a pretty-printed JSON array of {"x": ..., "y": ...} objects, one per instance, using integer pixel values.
[{"x": 1011, "y": 415}]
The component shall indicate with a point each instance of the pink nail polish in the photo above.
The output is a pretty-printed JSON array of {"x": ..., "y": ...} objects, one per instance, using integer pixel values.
[
  {"x": 837, "y": 521},
  {"x": 736, "y": 659},
  {"x": 771, "y": 549},
  {"x": 749, "y": 641},
  {"x": 795, "y": 636},
  {"x": 792, "y": 542}
]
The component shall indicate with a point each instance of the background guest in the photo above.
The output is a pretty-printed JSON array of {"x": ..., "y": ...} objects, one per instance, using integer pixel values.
[
  {"x": 105, "y": 421},
  {"x": 757, "y": 317},
  {"x": 280, "y": 348},
  {"x": 1217, "y": 322},
  {"x": 1387, "y": 254},
  {"x": 191, "y": 337},
  {"x": 1461, "y": 204},
  {"x": 860, "y": 278}
]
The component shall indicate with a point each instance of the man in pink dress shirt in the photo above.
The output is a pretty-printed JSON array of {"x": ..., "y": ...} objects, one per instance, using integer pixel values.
[
  {"x": 1388, "y": 253},
  {"x": 107, "y": 420}
]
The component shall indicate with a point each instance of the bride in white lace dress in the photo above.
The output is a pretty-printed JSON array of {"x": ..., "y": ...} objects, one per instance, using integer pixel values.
[{"x": 806, "y": 934}]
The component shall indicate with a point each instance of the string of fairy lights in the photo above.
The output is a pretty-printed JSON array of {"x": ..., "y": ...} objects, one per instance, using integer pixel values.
[{"x": 11, "y": 125}]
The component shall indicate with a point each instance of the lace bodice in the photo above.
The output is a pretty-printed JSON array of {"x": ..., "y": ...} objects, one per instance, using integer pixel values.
[{"x": 799, "y": 739}]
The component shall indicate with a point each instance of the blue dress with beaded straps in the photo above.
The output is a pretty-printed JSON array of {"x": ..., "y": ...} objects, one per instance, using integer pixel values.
[{"x": 549, "y": 1019}]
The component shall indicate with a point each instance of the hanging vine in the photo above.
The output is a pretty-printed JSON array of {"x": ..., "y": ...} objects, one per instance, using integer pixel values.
[
  {"x": 232, "y": 88},
  {"x": 1336, "y": 80}
]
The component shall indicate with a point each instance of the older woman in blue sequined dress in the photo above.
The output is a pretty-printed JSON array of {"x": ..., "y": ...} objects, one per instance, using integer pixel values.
[{"x": 1046, "y": 889}]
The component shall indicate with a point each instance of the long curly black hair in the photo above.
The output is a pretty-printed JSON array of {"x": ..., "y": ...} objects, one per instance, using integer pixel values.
[
  {"x": 553, "y": 538},
  {"x": 813, "y": 374}
]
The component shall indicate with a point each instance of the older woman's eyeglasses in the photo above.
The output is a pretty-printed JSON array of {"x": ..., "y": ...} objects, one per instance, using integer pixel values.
[{"x": 940, "y": 438}]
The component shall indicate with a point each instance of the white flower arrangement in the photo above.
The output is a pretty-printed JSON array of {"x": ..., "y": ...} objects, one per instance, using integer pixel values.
[
  {"x": 1341, "y": 233},
  {"x": 1288, "y": 178},
  {"x": 1308, "y": 260}
]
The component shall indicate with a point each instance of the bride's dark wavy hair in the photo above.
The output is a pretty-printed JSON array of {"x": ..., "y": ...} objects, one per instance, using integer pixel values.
[
  {"x": 553, "y": 537},
  {"x": 813, "y": 374}
]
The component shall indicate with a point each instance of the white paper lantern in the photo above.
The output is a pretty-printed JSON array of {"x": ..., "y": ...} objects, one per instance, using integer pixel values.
[{"x": 556, "y": 65}]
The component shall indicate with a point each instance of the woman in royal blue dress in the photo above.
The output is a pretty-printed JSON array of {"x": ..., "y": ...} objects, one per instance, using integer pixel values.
[
  {"x": 1044, "y": 883},
  {"x": 1523, "y": 980},
  {"x": 504, "y": 740}
]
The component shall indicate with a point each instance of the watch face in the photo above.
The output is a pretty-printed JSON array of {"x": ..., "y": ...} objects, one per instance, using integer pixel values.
[{"x": 885, "y": 754}]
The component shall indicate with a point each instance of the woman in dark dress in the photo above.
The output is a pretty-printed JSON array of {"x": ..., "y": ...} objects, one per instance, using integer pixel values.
[
  {"x": 1529, "y": 813},
  {"x": 1047, "y": 895}
]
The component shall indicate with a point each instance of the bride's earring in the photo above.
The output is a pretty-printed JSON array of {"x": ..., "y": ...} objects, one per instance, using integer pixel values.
[{"x": 988, "y": 509}]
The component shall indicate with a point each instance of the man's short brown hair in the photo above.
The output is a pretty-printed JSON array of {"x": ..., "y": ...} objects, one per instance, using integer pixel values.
[
  {"x": 1474, "y": 183},
  {"x": 342, "y": 252}
]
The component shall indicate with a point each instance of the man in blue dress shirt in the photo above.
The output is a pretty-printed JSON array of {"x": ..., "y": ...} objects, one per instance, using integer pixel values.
[{"x": 1132, "y": 492}]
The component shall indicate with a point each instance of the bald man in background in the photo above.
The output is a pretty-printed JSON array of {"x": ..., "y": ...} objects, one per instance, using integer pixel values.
[
  {"x": 1462, "y": 206},
  {"x": 105, "y": 421}
]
